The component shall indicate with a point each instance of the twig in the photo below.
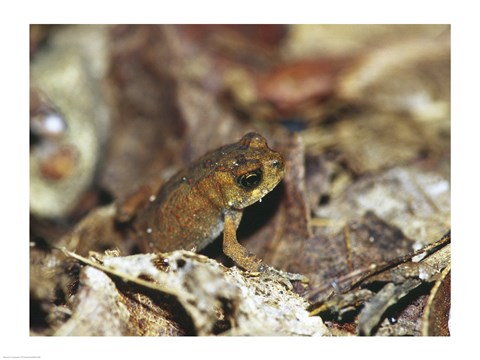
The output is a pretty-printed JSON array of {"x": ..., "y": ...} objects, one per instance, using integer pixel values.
[
  {"x": 374, "y": 269},
  {"x": 125, "y": 277}
]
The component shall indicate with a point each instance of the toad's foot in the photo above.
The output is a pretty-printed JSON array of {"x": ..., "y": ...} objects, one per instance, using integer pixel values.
[{"x": 269, "y": 273}]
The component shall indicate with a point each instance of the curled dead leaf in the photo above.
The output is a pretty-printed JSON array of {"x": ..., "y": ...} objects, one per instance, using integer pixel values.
[{"x": 435, "y": 320}]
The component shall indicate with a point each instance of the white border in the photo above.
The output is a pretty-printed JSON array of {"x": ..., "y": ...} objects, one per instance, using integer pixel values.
[{"x": 15, "y": 185}]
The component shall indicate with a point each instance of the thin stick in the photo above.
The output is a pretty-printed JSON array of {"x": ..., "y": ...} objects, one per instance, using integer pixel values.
[
  {"x": 121, "y": 275},
  {"x": 374, "y": 269}
]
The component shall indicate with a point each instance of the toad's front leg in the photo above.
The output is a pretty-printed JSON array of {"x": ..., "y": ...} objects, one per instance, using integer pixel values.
[
  {"x": 233, "y": 249},
  {"x": 250, "y": 262}
]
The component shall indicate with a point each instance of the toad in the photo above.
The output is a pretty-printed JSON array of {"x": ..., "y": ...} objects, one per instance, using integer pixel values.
[{"x": 208, "y": 197}]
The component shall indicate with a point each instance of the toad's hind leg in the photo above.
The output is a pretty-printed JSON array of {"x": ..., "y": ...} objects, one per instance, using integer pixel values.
[
  {"x": 233, "y": 249},
  {"x": 128, "y": 207}
]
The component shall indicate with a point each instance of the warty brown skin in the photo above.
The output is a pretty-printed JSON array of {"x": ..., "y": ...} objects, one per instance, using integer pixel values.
[{"x": 208, "y": 197}]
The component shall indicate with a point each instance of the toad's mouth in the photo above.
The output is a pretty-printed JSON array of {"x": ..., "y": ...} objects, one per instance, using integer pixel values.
[{"x": 256, "y": 195}]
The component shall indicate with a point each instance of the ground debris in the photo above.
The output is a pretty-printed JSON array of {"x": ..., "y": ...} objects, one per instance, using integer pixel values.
[
  {"x": 213, "y": 299},
  {"x": 398, "y": 278}
]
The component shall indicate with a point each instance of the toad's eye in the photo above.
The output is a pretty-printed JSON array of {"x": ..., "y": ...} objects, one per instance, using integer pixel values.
[{"x": 251, "y": 179}]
